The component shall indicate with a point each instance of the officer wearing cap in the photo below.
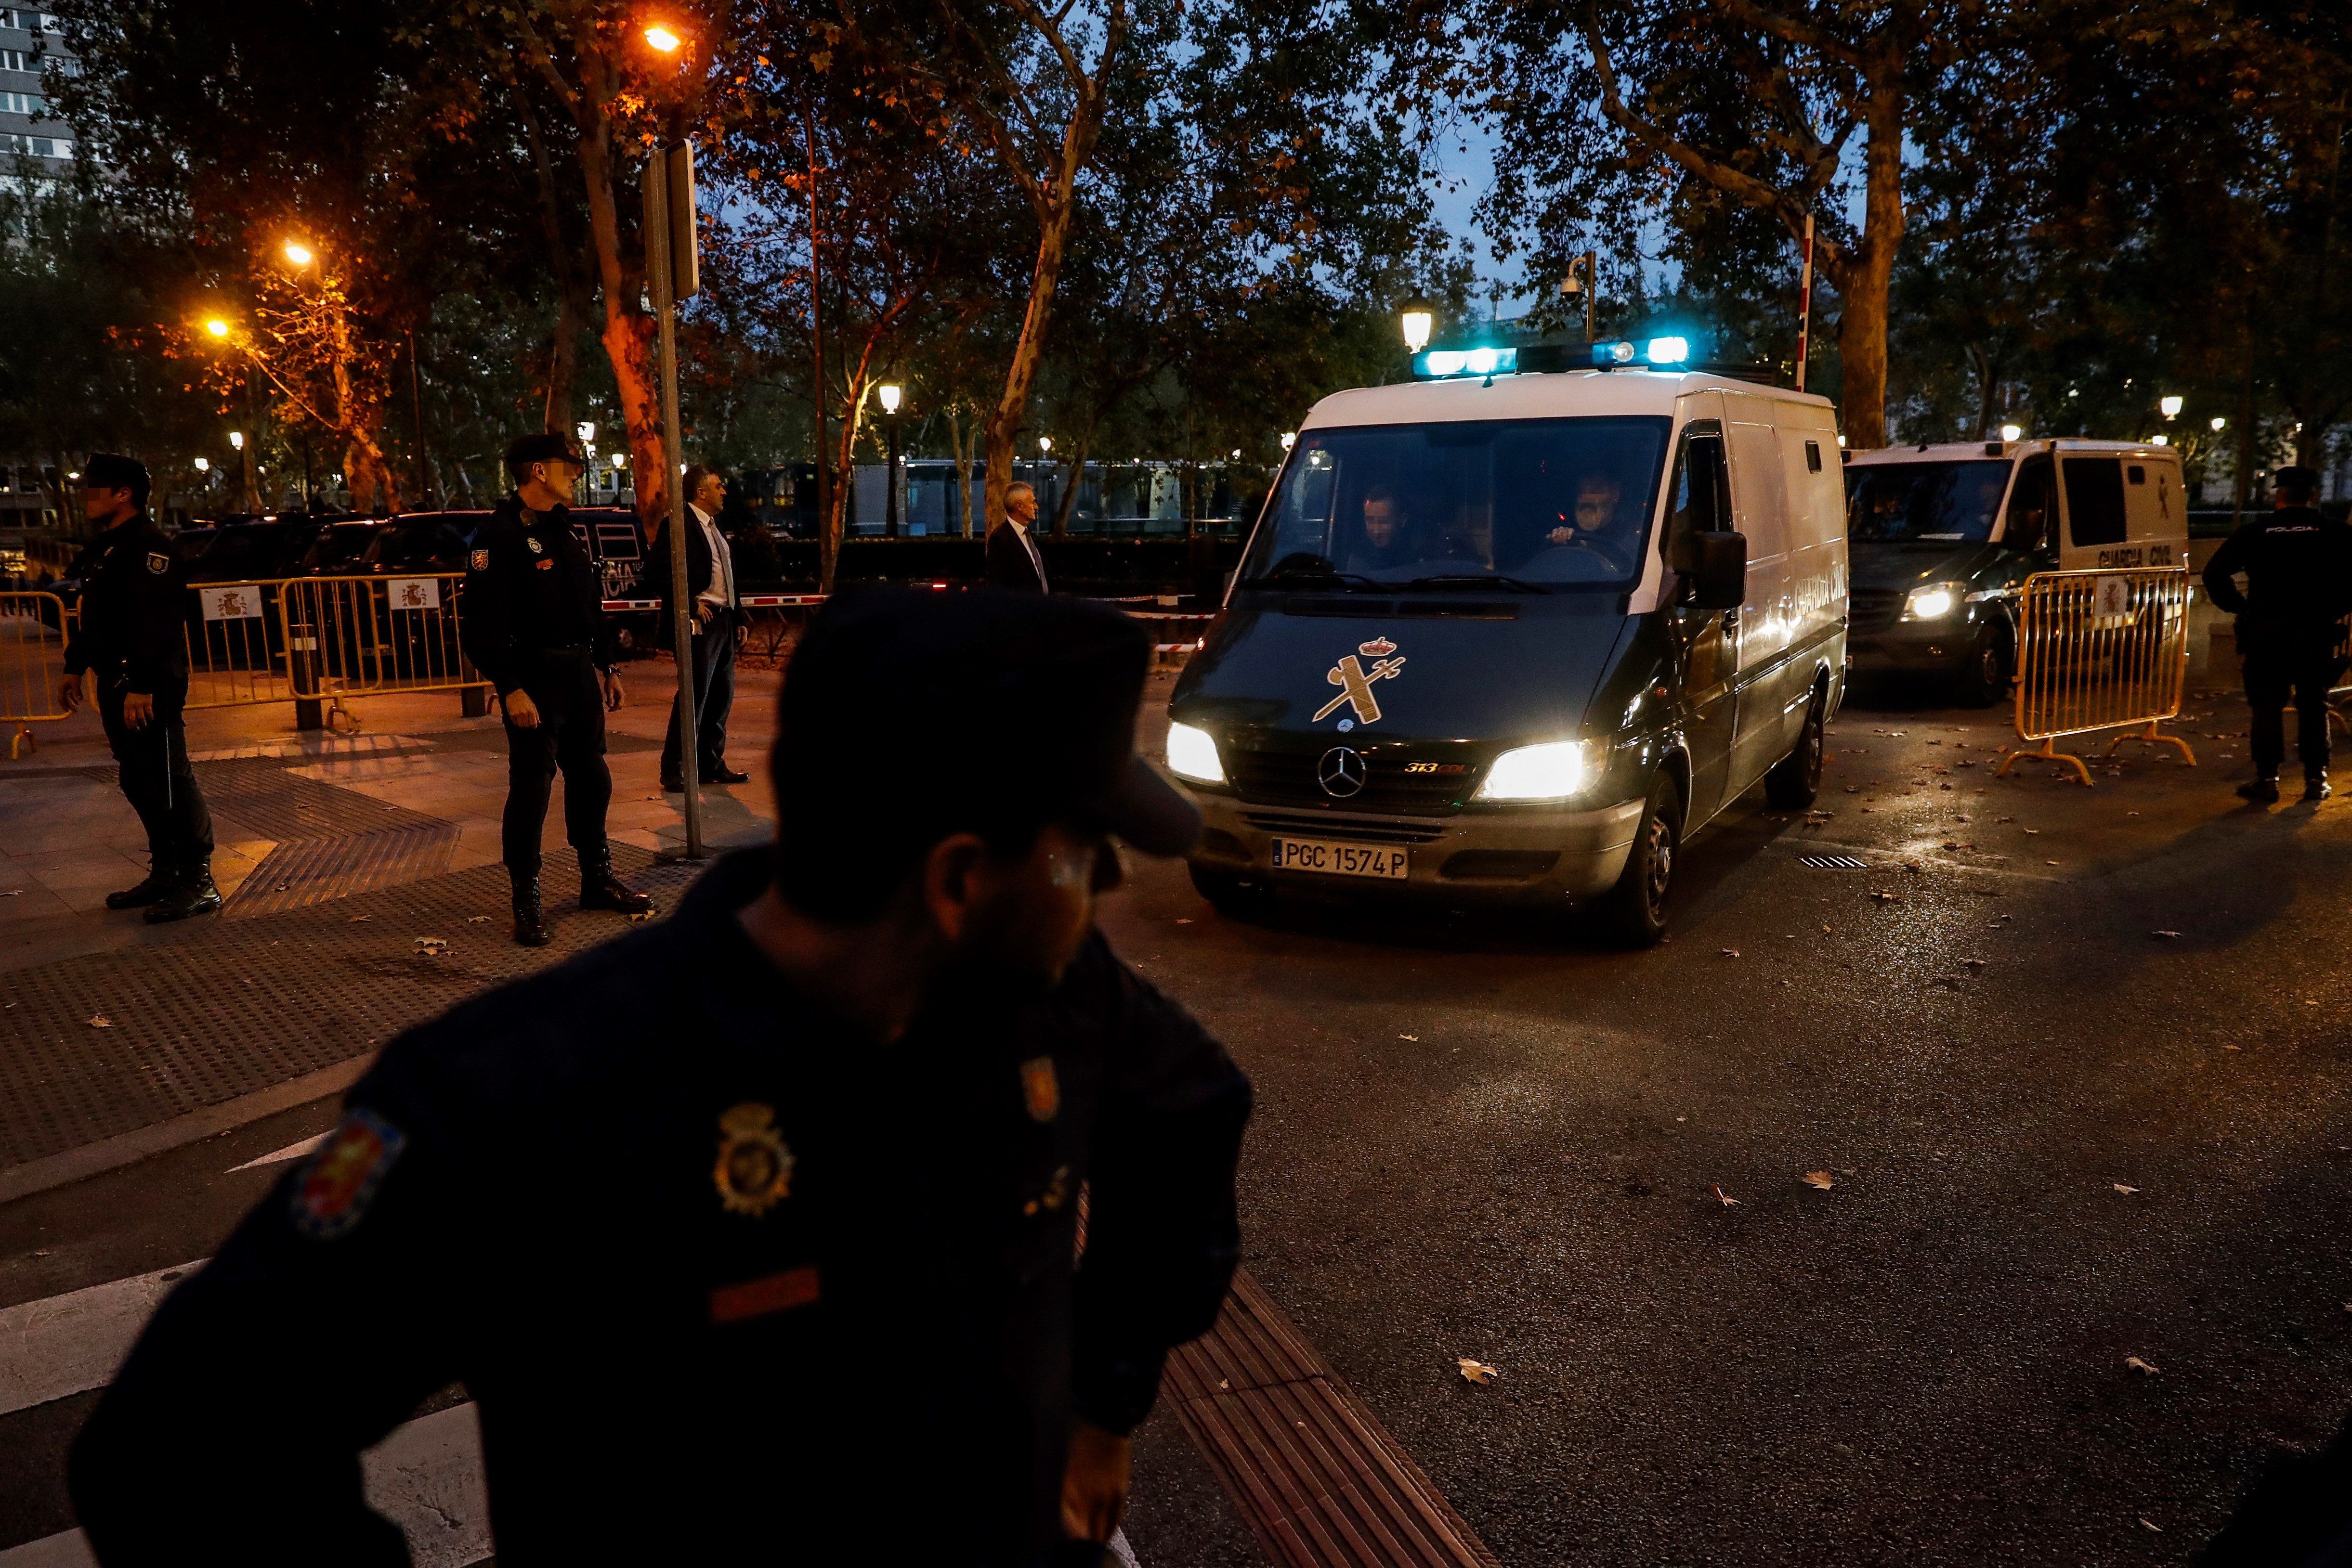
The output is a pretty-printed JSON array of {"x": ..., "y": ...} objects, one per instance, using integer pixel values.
[
  {"x": 130, "y": 644},
  {"x": 2298, "y": 567},
  {"x": 755, "y": 1233},
  {"x": 532, "y": 620}
]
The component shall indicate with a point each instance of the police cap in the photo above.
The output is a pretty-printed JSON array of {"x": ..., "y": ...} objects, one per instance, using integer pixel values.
[
  {"x": 544, "y": 447},
  {"x": 941, "y": 712},
  {"x": 2296, "y": 480},
  {"x": 112, "y": 470}
]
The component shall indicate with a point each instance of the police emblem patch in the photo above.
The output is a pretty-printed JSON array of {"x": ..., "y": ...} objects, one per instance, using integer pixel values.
[
  {"x": 335, "y": 1186},
  {"x": 1040, "y": 1090},
  {"x": 480, "y": 560},
  {"x": 158, "y": 563},
  {"x": 754, "y": 1172},
  {"x": 532, "y": 544}
]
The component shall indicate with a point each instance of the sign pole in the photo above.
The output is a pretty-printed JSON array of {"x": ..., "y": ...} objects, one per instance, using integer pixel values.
[
  {"x": 660, "y": 227},
  {"x": 1805, "y": 307}
]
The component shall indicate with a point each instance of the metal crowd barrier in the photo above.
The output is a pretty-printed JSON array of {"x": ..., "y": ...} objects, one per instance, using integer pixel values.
[
  {"x": 32, "y": 665},
  {"x": 2099, "y": 650},
  {"x": 236, "y": 645}
]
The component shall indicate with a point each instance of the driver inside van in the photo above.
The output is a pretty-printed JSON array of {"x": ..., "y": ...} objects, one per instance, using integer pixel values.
[
  {"x": 1388, "y": 534},
  {"x": 1597, "y": 527}
]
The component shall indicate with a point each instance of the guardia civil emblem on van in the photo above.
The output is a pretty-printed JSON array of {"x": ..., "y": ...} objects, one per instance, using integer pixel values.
[
  {"x": 1355, "y": 682},
  {"x": 754, "y": 1172}
]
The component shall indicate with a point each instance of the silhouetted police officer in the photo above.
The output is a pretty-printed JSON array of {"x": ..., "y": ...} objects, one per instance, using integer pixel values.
[
  {"x": 753, "y": 1233},
  {"x": 131, "y": 643},
  {"x": 2298, "y": 568},
  {"x": 532, "y": 620}
]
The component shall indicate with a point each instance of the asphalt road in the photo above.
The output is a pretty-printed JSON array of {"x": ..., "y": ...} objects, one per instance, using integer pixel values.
[{"x": 1484, "y": 1136}]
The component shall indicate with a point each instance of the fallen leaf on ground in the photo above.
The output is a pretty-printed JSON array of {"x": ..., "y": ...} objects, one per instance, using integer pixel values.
[
  {"x": 2121, "y": 1188},
  {"x": 11, "y": 893},
  {"x": 1731, "y": 952},
  {"x": 475, "y": 919},
  {"x": 1973, "y": 965},
  {"x": 2157, "y": 1528},
  {"x": 99, "y": 1020},
  {"x": 2166, "y": 934},
  {"x": 1820, "y": 1179},
  {"x": 426, "y": 944},
  {"x": 1886, "y": 898},
  {"x": 2137, "y": 1364},
  {"x": 1412, "y": 1037},
  {"x": 2032, "y": 829},
  {"x": 1722, "y": 1198},
  {"x": 642, "y": 914},
  {"x": 1184, "y": 920},
  {"x": 357, "y": 918},
  {"x": 1479, "y": 1371},
  {"x": 2049, "y": 863}
]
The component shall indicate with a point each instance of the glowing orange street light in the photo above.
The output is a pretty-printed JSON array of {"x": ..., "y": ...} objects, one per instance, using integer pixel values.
[
  {"x": 662, "y": 38},
  {"x": 216, "y": 327},
  {"x": 298, "y": 253}
]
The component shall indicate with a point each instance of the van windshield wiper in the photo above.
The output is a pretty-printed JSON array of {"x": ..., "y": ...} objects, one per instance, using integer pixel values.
[
  {"x": 1352, "y": 582},
  {"x": 1479, "y": 579}
]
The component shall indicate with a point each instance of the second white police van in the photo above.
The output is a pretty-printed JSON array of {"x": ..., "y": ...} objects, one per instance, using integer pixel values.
[{"x": 1516, "y": 635}]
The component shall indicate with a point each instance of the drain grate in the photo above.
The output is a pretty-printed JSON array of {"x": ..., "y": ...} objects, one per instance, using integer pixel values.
[{"x": 1832, "y": 863}]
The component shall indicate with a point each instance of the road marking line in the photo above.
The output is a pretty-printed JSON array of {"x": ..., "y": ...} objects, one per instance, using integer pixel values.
[
  {"x": 65, "y": 1345},
  {"x": 293, "y": 1151}
]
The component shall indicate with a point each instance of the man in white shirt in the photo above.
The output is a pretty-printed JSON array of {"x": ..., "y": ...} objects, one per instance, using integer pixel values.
[
  {"x": 718, "y": 609},
  {"x": 1012, "y": 562}
]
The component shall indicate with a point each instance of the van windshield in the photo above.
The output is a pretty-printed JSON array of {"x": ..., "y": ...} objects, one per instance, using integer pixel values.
[
  {"x": 1548, "y": 502},
  {"x": 1945, "y": 503}
]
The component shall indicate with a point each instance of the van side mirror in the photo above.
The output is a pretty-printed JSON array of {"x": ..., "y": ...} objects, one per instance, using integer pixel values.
[{"x": 1718, "y": 570}]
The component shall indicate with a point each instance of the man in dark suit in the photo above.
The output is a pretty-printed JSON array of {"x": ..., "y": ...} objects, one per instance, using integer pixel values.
[
  {"x": 718, "y": 609},
  {"x": 1013, "y": 562}
]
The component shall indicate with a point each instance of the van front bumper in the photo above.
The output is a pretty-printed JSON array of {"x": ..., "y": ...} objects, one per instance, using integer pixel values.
[{"x": 1534, "y": 854}]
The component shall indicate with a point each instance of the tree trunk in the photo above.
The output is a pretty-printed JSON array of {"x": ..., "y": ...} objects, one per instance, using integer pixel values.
[
  {"x": 1988, "y": 391},
  {"x": 1074, "y": 478},
  {"x": 628, "y": 337},
  {"x": 1005, "y": 419}
]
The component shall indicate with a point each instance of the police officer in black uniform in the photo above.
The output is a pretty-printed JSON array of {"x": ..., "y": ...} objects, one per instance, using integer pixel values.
[
  {"x": 2298, "y": 568},
  {"x": 753, "y": 1234},
  {"x": 532, "y": 620},
  {"x": 131, "y": 646}
]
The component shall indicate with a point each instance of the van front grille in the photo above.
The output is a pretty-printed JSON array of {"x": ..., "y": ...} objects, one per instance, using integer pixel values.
[
  {"x": 1369, "y": 833},
  {"x": 1405, "y": 779},
  {"x": 1873, "y": 609}
]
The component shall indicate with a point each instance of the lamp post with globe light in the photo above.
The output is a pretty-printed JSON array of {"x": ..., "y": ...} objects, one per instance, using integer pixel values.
[{"x": 890, "y": 394}]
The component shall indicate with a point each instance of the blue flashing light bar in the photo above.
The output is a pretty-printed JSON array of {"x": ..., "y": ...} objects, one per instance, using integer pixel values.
[
  {"x": 1658, "y": 353},
  {"x": 1436, "y": 364},
  {"x": 1669, "y": 350}
]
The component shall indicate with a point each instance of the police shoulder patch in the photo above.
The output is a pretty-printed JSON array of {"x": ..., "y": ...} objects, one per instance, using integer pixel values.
[
  {"x": 480, "y": 560},
  {"x": 335, "y": 1186},
  {"x": 158, "y": 562}
]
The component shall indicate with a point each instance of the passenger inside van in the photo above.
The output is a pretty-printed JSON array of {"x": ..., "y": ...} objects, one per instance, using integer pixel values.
[{"x": 1390, "y": 539}]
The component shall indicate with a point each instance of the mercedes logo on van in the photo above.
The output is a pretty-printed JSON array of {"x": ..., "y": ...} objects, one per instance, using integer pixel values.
[{"x": 1340, "y": 771}]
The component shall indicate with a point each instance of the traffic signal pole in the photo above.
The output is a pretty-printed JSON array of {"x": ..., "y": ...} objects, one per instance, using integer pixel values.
[{"x": 669, "y": 209}]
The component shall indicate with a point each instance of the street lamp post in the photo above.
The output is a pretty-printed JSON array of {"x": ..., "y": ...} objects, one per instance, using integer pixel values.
[
  {"x": 246, "y": 495},
  {"x": 668, "y": 194},
  {"x": 891, "y": 393}
]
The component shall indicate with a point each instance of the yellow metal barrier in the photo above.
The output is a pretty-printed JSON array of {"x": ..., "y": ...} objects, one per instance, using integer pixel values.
[
  {"x": 369, "y": 636},
  {"x": 2097, "y": 650},
  {"x": 236, "y": 645},
  {"x": 32, "y": 665}
]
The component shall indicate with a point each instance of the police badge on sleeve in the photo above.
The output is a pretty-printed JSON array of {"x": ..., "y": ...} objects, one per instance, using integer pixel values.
[
  {"x": 158, "y": 562},
  {"x": 754, "y": 1172},
  {"x": 335, "y": 1186},
  {"x": 480, "y": 560}
]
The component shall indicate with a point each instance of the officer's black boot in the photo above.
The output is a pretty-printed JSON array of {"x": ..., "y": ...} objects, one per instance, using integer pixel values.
[
  {"x": 600, "y": 889},
  {"x": 155, "y": 890},
  {"x": 531, "y": 920},
  {"x": 2315, "y": 786},
  {"x": 193, "y": 894},
  {"x": 2262, "y": 791}
]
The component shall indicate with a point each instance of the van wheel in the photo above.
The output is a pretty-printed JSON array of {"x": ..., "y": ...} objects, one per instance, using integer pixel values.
[
  {"x": 1635, "y": 911},
  {"x": 1227, "y": 893},
  {"x": 1796, "y": 778},
  {"x": 1984, "y": 679}
]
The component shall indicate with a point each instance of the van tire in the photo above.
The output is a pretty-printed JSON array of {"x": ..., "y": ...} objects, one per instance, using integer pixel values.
[
  {"x": 1795, "y": 780},
  {"x": 1984, "y": 680},
  {"x": 1226, "y": 893},
  {"x": 1633, "y": 913}
]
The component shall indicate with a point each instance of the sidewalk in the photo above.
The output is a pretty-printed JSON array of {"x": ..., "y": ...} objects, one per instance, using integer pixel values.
[{"x": 337, "y": 854}]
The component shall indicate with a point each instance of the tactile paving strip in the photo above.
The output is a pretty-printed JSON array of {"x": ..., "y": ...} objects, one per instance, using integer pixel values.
[
  {"x": 212, "y": 1011},
  {"x": 495, "y": 740},
  {"x": 312, "y": 870},
  {"x": 1321, "y": 1480},
  {"x": 262, "y": 795}
]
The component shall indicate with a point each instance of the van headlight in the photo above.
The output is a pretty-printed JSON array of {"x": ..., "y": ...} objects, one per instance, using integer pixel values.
[
  {"x": 1552, "y": 771},
  {"x": 1192, "y": 754},
  {"x": 1932, "y": 602}
]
